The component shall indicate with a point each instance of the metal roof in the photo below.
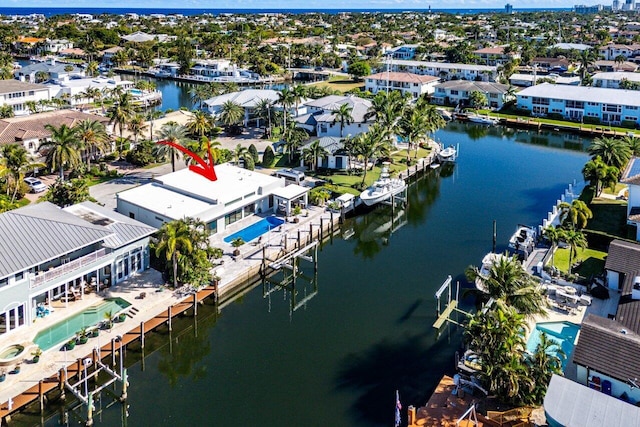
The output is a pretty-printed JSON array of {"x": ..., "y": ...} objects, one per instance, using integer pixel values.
[
  {"x": 38, "y": 233},
  {"x": 583, "y": 93}
]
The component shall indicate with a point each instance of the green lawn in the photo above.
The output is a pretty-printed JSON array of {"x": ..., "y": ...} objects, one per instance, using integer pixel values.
[
  {"x": 343, "y": 84},
  {"x": 616, "y": 191},
  {"x": 609, "y": 216},
  {"x": 592, "y": 261}
]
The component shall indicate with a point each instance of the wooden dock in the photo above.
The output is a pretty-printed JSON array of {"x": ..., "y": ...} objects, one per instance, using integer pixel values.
[{"x": 529, "y": 123}]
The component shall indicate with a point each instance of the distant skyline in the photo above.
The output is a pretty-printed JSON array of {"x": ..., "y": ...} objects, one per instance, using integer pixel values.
[{"x": 295, "y": 4}]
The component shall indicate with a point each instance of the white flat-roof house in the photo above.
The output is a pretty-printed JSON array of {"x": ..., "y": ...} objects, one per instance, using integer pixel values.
[
  {"x": 611, "y": 106},
  {"x": 323, "y": 109},
  {"x": 236, "y": 194},
  {"x": 49, "y": 254},
  {"x": 70, "y": 89},
  {"x": 457, "y": 92},
  {"x": 412, "y": 84},
  {"x": 446, "y": 70},
  {"x": 614, "y": 79},
  {"x": 222, "y": 70},
  {"x": 16, "y": 94}
]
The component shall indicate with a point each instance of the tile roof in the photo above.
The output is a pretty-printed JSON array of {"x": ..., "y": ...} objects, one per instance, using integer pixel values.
[
  {"x": 628, "y": 313},
  {"x": 34, "y": 234},
  {"x": 402, "y": 77},
  {"x": 608, "y": 347},
  {"x": 33, "y": 126},
  {"x": 624, "y": 257}
]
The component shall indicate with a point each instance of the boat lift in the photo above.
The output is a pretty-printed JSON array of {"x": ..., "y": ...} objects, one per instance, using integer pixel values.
[{"x": 451, "y": 307}]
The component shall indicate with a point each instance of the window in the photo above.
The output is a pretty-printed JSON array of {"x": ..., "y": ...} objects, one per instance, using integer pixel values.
[
  {"x": 233, "y": 217},
  {"x": 540, "y": 101},
  {"x": 4, "y": 282},
  {"x": 19, "y": 276},
  {"x": 454, "y": 92},
  {"x": 213, "y": 227},
  {"x": 132, "y": 215},
  {"x": 610, "y": 108}
]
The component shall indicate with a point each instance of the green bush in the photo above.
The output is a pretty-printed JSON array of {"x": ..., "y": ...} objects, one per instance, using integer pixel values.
[
  {"x": 268, "y": 157},
  {"x": 254, "y": 154},
  {"x": 591, "y": 120},
  {"x": 629, "y": 124},
  {"x": 142, "y": 155},
  {"x": 555, "y": 116},
  {"x": 248, "y": 163}
]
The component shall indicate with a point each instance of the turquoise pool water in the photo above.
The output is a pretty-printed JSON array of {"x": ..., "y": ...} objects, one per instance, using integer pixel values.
[
  {"x": 64, "y": 330},
  {"x": 254, "y": 230},
  {"x": 564, "y": 334}
]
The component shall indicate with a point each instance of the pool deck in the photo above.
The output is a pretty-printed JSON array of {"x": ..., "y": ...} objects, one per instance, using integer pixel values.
[{"x": 233, "y": 271}]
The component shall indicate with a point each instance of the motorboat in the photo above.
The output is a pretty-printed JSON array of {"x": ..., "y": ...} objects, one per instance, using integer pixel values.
[
  {"x": 483, "y": 120},
  {"x": 523, "y": 239},
  {"x": 382, "y": 189},
  {"x": 447, "y": 154},
  {"x": 161, "y": 74},
  {"x": 470, "y": 363},
  {"x": 487, "y": 262}
]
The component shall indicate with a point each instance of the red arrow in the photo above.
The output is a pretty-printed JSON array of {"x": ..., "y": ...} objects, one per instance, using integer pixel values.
[{"x": 203, "y": 168}]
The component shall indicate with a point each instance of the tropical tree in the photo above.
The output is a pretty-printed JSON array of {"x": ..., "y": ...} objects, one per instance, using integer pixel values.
[
  {"x": 575, "y": 239},
  {"x": 293, "y": 137},
  {"x": 121, "y": 112},
  {"x": 231, "y": 115},
  {"x": 263, "y": 111},
  {"x": 200, "y": 124},
  {"x": 67, "y": 193},
  {"x": 554, "y": 236},
  {"x": 545, "y": 361},
  {"x": 174, "y": 241},
  {"x": 587, "y": 59},
  {"x": 477, "y": 99},
  {"x": 600, "y": 175},
  {"x": 412, "y": 127},
  {"x": 170, "y": 132},
  {"x": 313, "y": 152},
  {"x": 574, "y": 215},
  {"x": 201, "y": 148},
  {"x": 15, "y": 163},
  {"x": 152, "y": 116},
  {"x": 372, "y": 145},
  {"x": 286, "y": 99},
  {"x": 387, "y": 109},
  {"x": 612, "y": 151},
  {"x": 137, "y": 126},
  {"x": 343, "y": 115},
  {"x": 299, "y": 92},
  {"x": 92, "y": 138},
  {"x": 62, "y": 148},
  {"x": 240, "y": 153},
  {"x": 6, "y": 111},
  {"x": 508, "y": 281}
]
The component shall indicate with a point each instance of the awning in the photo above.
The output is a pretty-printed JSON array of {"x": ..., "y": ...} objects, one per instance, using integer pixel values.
[{"x": 290, "y": 192}]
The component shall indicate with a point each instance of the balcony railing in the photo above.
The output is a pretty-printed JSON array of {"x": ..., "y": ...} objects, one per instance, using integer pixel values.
[{"x": 46, "y": 276}]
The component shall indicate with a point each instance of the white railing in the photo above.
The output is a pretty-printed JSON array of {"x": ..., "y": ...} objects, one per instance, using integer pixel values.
[{"x": 46, "y": 276}]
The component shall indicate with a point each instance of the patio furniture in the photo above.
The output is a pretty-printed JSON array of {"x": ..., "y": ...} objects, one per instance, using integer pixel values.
[{"x": 585, "y": 300}]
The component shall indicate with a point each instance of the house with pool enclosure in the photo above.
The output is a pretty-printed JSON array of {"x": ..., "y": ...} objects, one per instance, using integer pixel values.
[
  {"x": 236, "y": 194},
  {"x": 52, "y": 256}
]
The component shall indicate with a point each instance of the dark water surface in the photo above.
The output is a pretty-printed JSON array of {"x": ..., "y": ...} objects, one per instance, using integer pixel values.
[{"x": 338, "y": 360}]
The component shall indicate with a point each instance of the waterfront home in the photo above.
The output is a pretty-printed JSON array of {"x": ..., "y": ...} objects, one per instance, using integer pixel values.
[
  {"x": 248, "y": 99},
  {"x": 606, "y": 358},
  {"x": 445, "y": 70},
  {"x": 222, "y": 70},
  {"x": 54, "y": 46},
  {"x": 336, "y": 157},
  {"x": 72, "y": 89},
  {"x": 50, "y": 69},
  {"x": 49, "y": 254},
  {"x": 236, "y": 194},
  {"x": 631, "y": 177},
  {"x": 323, "y": 110},
  {"x": 457, "y": 92},
  {"x": 614, "y": 79},
  {"x": 611, "y": 51},
  {"x": 551, "y": 65},
  {"x": 27, "y": 44},
  {"x": 108, "y": 54},
  {"x": 16, "y": 94},
  {"x": 526, "y": 80},
  {"x": 406, "y": 83},
  {"x": 30, "y": 131},
  {"x": 611, "y": 106},
  {"x": 495, "y": 55}
]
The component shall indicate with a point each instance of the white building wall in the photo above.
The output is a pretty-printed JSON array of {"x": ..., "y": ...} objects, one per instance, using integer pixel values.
[
  {"x": 17, "y": 100},
  {"x": 333, "y": 129}
]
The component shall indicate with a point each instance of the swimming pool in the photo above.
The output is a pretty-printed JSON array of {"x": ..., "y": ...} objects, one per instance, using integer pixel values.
[
  {"x": 64, "y": 330},
  {"x": 254, "y": 230},
  {"x": 564, "y": 334}
]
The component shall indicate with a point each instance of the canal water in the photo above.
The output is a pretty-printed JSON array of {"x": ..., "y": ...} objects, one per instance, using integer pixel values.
[{"x": 338, "y": 359}]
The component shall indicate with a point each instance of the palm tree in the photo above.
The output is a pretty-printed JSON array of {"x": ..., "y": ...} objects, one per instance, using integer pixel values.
[
  {"x": 509, "y": 282},
  {"x": 293, "y": 136},
  {"x": 587, "y": 59},
  {"x": 343, "y": 116},
  {"x": 63, "y": 148},
  {"x": 137, "y": 126},
  {"x": 92, "y": 68},
  {"x": 599, "y": 175},
  {"x": 619, "y": 60},
  {"x": 151, "y": 117},
  {"x": 372, "y": 145},
  {"x": 263, "y": 110},
  {"x": 313, "y": 152},
  {"x": 15, "y": 163},
  {"x": 240, "y": 153},
  {"x": 201, "y": 148},
  {"x": 121, "y": 112},
  {"x": 575, "y": 215},
  {"x": 412, "y": 127},
  {"x": 170, "y": 132},
  {"x": 200, "y": 124},
  {"x": 575, "y": 239},
  {"x": 174, "y": 241},
  {"x": 231, "y": 114},
  {"x": 299, "y": 92},
  {"x": 386, "y": 109},
  {"x": 6, "y": 111},
  {"x": 553, "y": 235},
  {"x": 92, "y": 138},
  {"x": 286, "y": 99},
  {"x": 612, "y": 151}
]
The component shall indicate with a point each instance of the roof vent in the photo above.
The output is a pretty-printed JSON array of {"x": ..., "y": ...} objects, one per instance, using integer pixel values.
[{"x": 623, "y": 331}]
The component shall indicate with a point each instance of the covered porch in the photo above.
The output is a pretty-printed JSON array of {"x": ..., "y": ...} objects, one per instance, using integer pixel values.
[{"x": 286, "y": 198}]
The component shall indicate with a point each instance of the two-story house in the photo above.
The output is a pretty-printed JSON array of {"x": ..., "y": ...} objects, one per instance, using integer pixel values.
[
  {"x": 47, "y": 253},
  {"x": 613, "y": 50},
  {"x": 406, "y": 83},
  {"x": 16, "y": 94},
  {"x": 458, "y": 92},
  {"x": 495, "y": 55},
  {"x": 323, "y": 111}
]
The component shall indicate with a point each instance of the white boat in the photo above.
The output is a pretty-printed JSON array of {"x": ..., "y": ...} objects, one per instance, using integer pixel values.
[
  {"x": 483, "y": 120},
  {"x": 487, "y": 262},
  {"x": 382, "y": 189},
  {"x": 447, "y": 154},
  {"x": 161, "y": 74},
  {"x": 524, "y": 239}
]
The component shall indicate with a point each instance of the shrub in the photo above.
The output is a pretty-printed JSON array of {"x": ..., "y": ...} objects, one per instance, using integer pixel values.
[
  {"x": 249, "y": 163},
  {"x": 254, "y": 153},
  {"x": 591, "y": 120},
  {"x": 268, "y": 157},
  {"x": 555, "y": 116},
  {"x": 142, "y": 155}
]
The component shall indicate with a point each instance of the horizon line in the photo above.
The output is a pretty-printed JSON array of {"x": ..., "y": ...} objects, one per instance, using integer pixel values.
[{"x": 268, "y": 8}]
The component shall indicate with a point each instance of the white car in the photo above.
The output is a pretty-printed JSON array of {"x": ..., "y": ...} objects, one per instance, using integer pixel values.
[{"x": 35, "y": 185}]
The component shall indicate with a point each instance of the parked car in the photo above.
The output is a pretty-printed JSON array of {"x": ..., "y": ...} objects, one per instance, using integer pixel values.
[{"x": 35, "y": 185}]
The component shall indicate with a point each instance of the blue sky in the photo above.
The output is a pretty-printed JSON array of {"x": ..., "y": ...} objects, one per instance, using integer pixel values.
[{"x": 295, "y": 4}]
